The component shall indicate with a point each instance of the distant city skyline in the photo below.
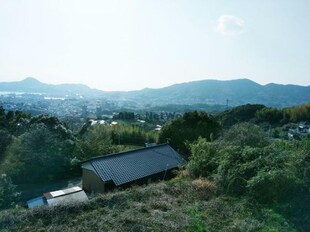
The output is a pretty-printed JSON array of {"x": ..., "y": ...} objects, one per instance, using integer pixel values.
[{"x": 136, "y": 44}]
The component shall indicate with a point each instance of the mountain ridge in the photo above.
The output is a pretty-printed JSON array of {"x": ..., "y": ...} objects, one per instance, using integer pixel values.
[
  {"x": 234, "y": 92},
  {"x": 33, "y": 85}
]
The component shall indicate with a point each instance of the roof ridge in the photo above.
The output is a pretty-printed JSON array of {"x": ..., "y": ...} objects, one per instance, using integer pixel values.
[
  {"x": 163, "y": 154},
  {"x": 126, "y": 152}
]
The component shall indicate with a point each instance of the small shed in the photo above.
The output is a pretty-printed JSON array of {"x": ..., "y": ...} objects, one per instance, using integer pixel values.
[
  {"x": 137, "y": 166},
  {"x": 70, "y": 195},
  {"x": 74, "y": 194},
  {"x": 35, "y": 202}
]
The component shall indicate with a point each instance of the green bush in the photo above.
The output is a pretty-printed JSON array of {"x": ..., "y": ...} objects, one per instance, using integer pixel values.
[
  {"x": 273, "y": 186},
  {"x": 202, "y": 160},
  {"x": 269, "y": 174}
]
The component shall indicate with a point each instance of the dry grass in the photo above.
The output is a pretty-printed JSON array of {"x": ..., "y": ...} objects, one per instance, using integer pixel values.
[
  {"x": 188, "y": 205},
  {"x": 202, "y": 184}
]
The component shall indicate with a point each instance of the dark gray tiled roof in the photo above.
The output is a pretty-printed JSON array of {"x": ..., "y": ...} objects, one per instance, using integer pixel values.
[{"x": 128, "y": 166}]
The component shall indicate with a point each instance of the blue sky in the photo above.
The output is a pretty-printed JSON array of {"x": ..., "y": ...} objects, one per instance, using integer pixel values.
[{"x": 134, "y": 44}]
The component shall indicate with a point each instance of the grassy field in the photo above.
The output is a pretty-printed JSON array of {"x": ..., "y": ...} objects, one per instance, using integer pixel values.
[{"x": 177, "y": 205}]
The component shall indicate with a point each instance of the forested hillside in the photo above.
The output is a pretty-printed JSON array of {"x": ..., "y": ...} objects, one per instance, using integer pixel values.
[{"x": 209, "y": 92}]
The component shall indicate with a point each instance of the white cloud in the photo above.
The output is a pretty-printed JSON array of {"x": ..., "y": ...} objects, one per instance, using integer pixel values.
[{"x": 230, "y": 25}]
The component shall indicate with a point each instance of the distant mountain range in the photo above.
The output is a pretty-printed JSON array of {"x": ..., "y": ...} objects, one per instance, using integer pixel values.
[
  {"x": 233, "y": 92},
  {"x": 32, "y": 85}
]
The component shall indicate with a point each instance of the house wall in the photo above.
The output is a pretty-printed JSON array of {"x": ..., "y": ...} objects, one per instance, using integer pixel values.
[{"x": 91, "y": 182}]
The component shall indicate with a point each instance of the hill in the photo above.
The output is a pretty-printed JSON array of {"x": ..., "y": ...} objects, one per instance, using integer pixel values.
[
  {"x": 237, "y": 92},
  {"x": 211, "y": 92},
  {"x": 32, "y": 85}
]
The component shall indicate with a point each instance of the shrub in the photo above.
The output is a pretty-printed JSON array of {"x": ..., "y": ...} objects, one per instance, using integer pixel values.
[
  {"x": 273, "y": 186},
  {"x": 202, "y": 161}
]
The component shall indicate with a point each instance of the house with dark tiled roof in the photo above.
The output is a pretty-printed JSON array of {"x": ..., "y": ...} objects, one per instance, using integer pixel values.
[{"x": 137, "y": 166}]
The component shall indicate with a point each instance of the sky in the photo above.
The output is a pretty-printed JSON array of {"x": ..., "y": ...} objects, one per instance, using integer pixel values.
[{"x": 136, "y": 44}]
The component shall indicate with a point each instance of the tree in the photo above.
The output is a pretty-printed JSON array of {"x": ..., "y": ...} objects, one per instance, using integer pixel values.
[
  {"x": 8, "y": 193},
  {"x": 38, "y": 155},
  {"x": 245, "y": 134},
  {"x": 273, "y": 116},
  {"x": 95, "y": 142},
  {"x": 5, "y": 139},
  {"x": 2, "y": 117},
  {"x": 192, "y": 125},
  {"x": 244, "y": 113},
  {"x": 299, "y": 113},
  {"x": 132, "y": 135}
]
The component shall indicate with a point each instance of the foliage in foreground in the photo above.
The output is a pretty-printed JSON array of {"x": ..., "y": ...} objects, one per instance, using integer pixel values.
[
  {"x": 270, "y": 173},
  {"x": 181, "y": 205},
  {"x": 274, "y": 174}
]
